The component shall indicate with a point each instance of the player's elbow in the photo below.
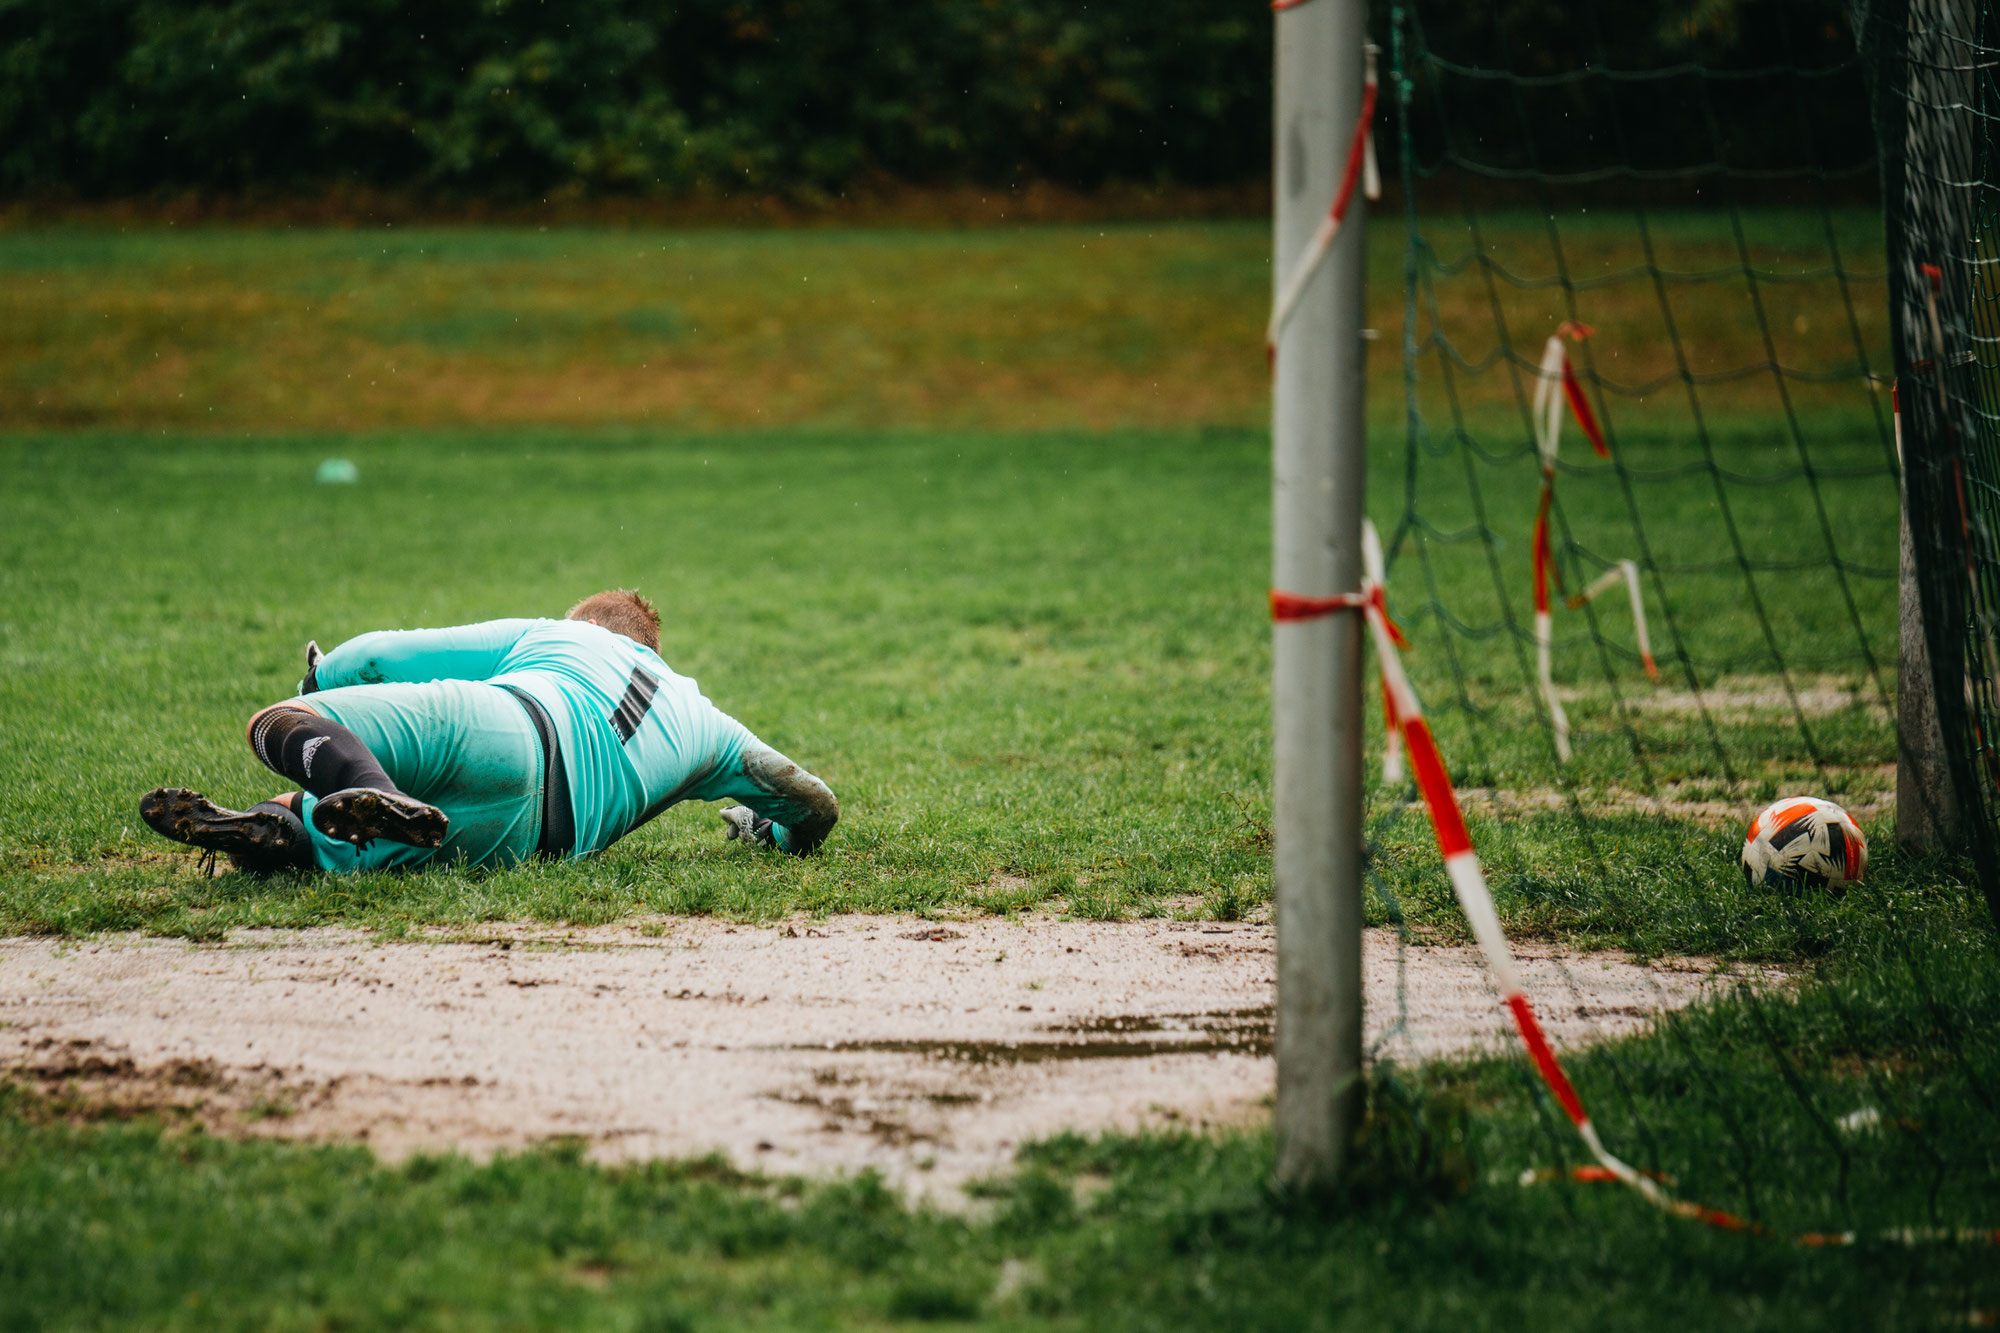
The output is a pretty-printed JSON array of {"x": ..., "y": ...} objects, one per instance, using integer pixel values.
[
  {"x": 822, "y": 813},
  {"x": 810, "y": 809}
]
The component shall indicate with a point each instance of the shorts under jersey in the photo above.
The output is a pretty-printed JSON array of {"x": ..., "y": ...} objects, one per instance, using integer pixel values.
[
  {"x": 635, "y": 737},
  {"x": 466, "y": 747}
]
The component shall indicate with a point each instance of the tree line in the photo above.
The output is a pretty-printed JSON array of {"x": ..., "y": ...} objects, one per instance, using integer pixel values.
[{"x": 513, "y": 99}]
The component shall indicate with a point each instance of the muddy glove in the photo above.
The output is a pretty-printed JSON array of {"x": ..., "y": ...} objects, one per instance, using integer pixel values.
[
  {"x": 313, "y": 655},
  {"x": 742, "y": 822}
]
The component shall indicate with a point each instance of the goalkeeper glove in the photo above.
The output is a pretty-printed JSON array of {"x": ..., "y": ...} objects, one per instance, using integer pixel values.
[{"x": 742, "y": 822}]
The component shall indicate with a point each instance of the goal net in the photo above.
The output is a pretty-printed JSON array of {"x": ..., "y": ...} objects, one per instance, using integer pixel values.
[
  {"x": 1669, "y": 274},
  {"x": 1644, "y": 522}
]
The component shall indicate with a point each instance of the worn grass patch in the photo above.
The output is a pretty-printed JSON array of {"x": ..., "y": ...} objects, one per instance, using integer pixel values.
[{"x": 1154, "y": 323}]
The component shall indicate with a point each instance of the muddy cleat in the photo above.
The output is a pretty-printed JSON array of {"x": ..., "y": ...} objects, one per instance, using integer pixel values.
[
  {"x": 360, "y": 815},
  {"x": 259, "y": 840}
]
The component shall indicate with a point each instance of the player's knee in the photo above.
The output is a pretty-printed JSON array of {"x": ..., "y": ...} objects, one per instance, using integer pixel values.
[{"x": 263, "y": 717}]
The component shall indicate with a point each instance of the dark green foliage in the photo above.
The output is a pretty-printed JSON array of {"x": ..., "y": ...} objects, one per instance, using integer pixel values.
[{"x": 512, "y": 98}]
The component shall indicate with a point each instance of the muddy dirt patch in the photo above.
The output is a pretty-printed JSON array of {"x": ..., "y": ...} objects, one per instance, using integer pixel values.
[{"x": 924, "y": 1050}]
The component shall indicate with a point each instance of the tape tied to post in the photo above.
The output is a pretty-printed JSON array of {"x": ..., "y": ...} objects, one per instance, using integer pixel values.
[{"x": 1361, "y": 168}]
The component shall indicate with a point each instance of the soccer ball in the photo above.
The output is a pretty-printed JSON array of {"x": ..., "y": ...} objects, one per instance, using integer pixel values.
[{"x": 1800, "y": 842}]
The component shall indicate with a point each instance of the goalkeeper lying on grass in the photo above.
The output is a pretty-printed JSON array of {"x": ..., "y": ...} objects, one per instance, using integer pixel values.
[{"x": 491, "y": 743}]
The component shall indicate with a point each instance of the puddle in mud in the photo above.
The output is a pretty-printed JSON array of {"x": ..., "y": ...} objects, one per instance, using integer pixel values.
[
  {"x": 1237, "y": 1031},
  {"x": 1214, "y": 1022},
  {"x": 846, "y": 1113}
]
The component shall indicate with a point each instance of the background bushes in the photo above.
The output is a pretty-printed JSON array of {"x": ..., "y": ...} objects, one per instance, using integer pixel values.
[{"x": 513, "y": 99}]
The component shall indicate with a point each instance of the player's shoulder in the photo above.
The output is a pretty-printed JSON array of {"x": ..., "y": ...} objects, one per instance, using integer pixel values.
[{"x": 595, "y": 640}]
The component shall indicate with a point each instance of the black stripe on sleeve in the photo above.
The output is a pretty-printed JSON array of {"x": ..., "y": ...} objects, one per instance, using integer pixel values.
[{"x": 638, "y": 700}]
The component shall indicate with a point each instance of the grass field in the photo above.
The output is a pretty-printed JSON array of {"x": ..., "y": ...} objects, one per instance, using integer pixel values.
[
  {"x": 1027, "y": 660},
  {"x": 1033, "y": 666},
  {"x": 975, "y": 525}
]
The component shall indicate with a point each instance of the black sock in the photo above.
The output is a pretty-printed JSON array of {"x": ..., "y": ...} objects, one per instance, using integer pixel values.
[{"x": 319, "y": 754}]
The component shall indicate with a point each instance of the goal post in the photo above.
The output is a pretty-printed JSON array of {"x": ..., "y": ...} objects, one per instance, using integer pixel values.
[
  {"x": 1317, "y": 478},
  {"x": 1927, "y": 817},
  {"x": 1927, "y": 810}
]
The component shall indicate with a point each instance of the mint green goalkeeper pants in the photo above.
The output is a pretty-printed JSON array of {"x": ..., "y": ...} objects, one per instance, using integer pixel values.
[{"x": 465, "y": 747}]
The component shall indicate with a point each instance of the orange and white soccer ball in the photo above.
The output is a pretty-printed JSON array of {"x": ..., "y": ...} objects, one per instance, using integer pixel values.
[{"x": 1802, "y": 842}]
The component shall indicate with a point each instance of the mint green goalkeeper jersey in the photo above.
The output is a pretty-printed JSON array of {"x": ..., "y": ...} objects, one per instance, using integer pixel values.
[{"x": 635, "y": 736}]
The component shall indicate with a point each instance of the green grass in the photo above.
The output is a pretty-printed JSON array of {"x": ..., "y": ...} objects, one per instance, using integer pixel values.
[
  {"x": 1730, "y": 665},
  {"x": 1034, "y": 667},
  {"x": 113, "y": 1224},
  {"x": 1033, "y": 663},
  {"x": 1027, "y": 656}
]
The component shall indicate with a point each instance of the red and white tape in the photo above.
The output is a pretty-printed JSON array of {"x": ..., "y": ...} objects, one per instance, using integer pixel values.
[
  {"x": 1556, "y": 387},
  {"x": 1896, "y": 415},
  {"x": 1461, "y": 863},
  {"x": 1626, "y": 571},
  {"x": 1468, "y": 882},
  {"x": 1544, "y": 568},
  {"x": 1360, "y": 168},
  {"x": 1290, "y": 608}
]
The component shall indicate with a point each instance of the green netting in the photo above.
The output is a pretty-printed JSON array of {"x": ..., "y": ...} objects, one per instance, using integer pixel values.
[
  {"x": 1701, "y": 188},
  {"x": 1739, "y": 361}
]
